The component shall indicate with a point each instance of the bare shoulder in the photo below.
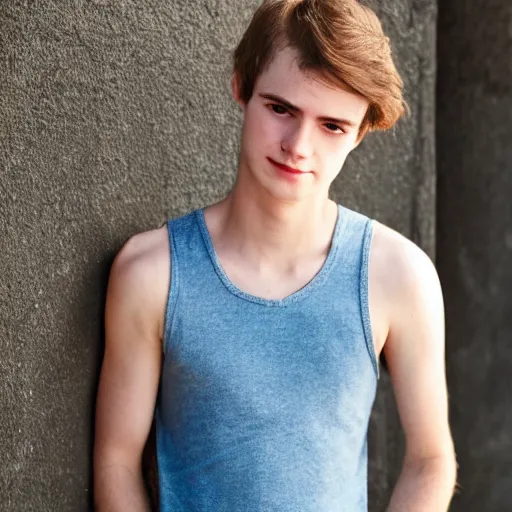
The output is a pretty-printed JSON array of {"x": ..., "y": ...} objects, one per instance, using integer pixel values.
[
  {"x": 148, "y": 246},
  {"x": 141, "y": 273},
  {"x": 400, "y": 264},
  {"x": 403, "y": 279}
]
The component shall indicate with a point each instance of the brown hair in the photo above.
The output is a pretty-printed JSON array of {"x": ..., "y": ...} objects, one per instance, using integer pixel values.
[{"x": 342, "y": 40}]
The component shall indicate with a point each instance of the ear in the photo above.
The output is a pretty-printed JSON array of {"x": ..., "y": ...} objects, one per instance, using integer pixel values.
[{"x": 235, "y": 89}]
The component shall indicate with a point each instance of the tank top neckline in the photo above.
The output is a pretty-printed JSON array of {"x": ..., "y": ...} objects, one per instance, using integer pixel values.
[{"x": 301, "y": 293}]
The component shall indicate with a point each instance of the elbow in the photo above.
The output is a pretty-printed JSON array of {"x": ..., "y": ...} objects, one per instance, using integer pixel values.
[{"x": 441, "y": 466}]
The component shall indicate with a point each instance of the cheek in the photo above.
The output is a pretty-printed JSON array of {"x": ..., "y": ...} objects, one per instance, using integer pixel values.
[
  {"x": 334, "y": 150},
  {"x": 262, "y": 129},
  {"x": 334, "y": 155}
]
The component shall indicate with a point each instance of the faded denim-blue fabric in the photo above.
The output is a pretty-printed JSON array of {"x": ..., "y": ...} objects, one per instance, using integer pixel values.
[{"x": 264, "y": 404}]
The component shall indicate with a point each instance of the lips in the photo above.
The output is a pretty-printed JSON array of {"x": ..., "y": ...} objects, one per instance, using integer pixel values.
[{"x": 287, "y": 168}]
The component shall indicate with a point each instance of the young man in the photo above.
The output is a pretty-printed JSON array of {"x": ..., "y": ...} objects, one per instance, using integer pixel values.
[{"x": 255, "y": 325}]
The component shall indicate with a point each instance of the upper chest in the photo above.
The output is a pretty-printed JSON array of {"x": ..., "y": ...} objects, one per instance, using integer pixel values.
[
  {"x": 270, "y": 283},
  {"x": 275, "y": 285}
]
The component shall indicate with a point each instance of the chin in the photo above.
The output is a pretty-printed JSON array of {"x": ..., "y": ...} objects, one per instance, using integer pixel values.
[{"x": 284, "y": 192}]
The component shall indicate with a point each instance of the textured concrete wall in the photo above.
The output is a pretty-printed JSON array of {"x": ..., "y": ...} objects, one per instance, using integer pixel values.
[
  {"x": 113, "y": 117},
  {"x": 475, "y": 241}
]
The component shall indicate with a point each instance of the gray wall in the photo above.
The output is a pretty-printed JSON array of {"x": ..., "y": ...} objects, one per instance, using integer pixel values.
[
  {"x": 114, "y": 117},
  {"x": 475, "y": 241}
]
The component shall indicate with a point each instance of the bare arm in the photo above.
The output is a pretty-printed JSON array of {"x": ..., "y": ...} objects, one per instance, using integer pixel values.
[
  {"x": 129, "y": 378},
  {"x": 415, "y": 353}
]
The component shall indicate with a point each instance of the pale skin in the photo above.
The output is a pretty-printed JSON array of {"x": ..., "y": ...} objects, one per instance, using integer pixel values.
[{"x": 272, "y": 235}]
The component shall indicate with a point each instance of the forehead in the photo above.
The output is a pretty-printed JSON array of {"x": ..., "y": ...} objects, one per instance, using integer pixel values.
[{"x": 307, "y": 90}]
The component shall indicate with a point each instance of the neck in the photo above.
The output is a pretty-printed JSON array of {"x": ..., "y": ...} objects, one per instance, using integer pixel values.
[{"x": 271, "y": 234}]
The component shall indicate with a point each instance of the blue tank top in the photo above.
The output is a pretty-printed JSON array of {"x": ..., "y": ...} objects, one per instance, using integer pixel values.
[{"x": 264, "y": 404}]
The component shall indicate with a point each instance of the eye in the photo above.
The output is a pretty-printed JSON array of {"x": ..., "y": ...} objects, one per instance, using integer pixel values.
[
  {"x": 278, "y": 109},
  {"x": 334, "y": 128}
]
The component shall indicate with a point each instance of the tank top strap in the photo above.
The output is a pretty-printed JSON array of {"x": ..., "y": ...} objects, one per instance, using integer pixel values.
[
  {"x": 350, "y": 277},
  {"x": 354, "y": 237},
  {"x": 189, "y": 258}
]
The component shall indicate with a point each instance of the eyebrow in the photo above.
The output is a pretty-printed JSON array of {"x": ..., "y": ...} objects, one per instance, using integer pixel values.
[{"x": 293, "y": 108}]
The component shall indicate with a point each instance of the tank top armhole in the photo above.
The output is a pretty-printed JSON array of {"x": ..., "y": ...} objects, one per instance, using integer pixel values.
[
  {"x": 172, "y": 296},
  {"x": 365, "y": 308}
]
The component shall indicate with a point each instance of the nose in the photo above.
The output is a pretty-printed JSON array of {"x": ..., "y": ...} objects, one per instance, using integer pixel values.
[{"x": 297, "y": 142}]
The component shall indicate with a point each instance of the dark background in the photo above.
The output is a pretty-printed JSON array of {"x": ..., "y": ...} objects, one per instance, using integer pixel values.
[{"x": 116, "y": 115}]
